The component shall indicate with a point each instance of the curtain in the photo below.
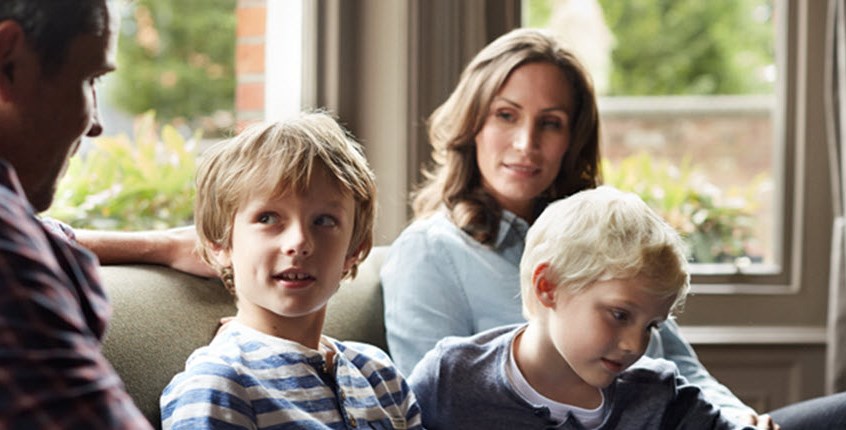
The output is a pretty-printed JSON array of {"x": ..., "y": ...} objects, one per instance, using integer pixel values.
[{"x": 835, "y": 80}]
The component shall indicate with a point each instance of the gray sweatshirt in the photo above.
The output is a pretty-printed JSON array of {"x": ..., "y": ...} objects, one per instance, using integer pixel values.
[{"x": 462, "y": 384}]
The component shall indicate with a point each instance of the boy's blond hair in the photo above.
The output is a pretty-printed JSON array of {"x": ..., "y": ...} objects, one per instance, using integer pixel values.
[
  {"x": 599, "y": 235},
  {"x": 276, "y": 158}
]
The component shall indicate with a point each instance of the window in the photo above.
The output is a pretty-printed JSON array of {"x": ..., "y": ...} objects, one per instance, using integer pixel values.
[
  {"x": 172, "y": 92},
  {"x": 689, "y": 116}
]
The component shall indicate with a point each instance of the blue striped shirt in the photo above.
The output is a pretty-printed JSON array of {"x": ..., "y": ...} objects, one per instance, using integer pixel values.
[{"x": 246, "y": 379}]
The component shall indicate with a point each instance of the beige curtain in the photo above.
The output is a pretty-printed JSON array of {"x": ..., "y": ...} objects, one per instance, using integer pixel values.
[{"x": 836, "y": 121}]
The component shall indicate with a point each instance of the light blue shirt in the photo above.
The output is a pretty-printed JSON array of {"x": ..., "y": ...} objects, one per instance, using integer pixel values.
[{"x": 438, "y": 282}]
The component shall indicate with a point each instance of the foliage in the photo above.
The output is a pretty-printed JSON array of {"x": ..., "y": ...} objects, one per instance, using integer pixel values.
[
  {"x": 689, "y": 47},
  {"x": 178, "y": 56},
  {"x": 140, "y": 185},
  {"x": 683, "y": 47},
  {"x": 536, "y": 13},
  {"x": 715, "y": 227}
]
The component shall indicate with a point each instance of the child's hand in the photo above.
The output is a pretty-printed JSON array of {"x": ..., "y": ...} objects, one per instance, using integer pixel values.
[{"x": 761, "y": 422}]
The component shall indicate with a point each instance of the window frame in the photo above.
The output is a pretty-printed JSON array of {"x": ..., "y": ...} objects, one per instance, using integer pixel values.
[{"x": 407, "y": 57}]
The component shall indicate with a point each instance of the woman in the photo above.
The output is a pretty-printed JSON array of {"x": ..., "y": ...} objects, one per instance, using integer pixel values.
[{"x": 520, "y": 129}]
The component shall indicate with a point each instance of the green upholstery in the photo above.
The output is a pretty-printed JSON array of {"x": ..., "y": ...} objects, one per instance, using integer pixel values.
[{"x": 161, "y": 315}]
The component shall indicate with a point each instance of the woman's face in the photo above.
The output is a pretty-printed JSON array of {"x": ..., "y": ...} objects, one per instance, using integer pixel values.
[{"x": 525, "y": 135}]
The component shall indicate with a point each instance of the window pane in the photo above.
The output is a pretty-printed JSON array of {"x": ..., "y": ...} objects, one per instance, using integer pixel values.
[
  {"x": 686, "y": 99},
  {"x": 174, "y": 85}
]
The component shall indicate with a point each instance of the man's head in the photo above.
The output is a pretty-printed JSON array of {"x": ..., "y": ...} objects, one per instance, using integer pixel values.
[
  {"x": 600, "y": 235},
  {"x": 51, "y": 54},
  {"x": 277, "y": 159}
]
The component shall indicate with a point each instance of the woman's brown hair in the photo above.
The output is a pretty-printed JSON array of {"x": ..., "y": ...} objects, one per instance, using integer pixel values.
[{"x": 454, "y": 180}]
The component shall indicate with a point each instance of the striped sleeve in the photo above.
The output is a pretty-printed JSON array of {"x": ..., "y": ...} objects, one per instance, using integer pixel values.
[
  {"x": 388, "y": 384},
  {"x": 208, "y": 395}
]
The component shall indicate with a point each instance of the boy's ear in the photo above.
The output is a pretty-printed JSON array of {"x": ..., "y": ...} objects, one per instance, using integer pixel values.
[
  {"x": 222, "y": 255},
  {"x": 543, "y": 288},
  {"x": 13, "y": 47},
  {"x": 352, "y": 259}
]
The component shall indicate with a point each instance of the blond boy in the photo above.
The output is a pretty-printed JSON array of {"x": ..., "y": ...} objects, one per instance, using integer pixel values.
[
  {"x": 599, "y": 273},
  {"x": 284, "y": 212}
]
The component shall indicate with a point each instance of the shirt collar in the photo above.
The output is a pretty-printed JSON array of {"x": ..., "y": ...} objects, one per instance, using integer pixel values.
[
  {"x": 509, "y": 226},
  {"x": 9, "y": 178}
]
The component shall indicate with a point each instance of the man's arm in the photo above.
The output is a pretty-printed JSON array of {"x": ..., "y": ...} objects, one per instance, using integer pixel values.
[{"x": 175, "y": 247}]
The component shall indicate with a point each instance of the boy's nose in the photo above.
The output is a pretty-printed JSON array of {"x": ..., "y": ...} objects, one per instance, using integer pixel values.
[
  {"x": 297, "y": 242},
  {"x": 634, "y": 341}
]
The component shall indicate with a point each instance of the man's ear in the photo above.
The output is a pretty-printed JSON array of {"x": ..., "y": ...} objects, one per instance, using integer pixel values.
[
  {"x": 13, "y": 47},
  {"x": 542, "y": 286}
]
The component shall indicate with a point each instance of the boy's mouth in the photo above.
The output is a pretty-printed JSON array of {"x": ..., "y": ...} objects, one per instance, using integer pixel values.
[
  {"x": 613, "y": 366},
  {"x": 294, "y": 277}
]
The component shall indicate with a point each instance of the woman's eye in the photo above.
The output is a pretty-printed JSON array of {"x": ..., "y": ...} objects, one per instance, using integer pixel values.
[
  {"x": 326, "y": 221},
  {"x": 505, "y": 116},
  {"x": 554, "y": 124}
]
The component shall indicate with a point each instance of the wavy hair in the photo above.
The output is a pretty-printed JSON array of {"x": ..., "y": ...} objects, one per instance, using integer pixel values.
[{"x": 454, "y": 181}]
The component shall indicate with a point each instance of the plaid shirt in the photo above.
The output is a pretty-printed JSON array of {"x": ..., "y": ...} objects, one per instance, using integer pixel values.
[{"x": 53, "y": 314}]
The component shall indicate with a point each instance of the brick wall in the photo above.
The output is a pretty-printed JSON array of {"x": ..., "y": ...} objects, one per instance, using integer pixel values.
[{"x": 249, "y": 62}]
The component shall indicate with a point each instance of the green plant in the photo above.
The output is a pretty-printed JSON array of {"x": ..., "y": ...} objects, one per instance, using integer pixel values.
[
  {"x": 121, "y": 184},
  {"x": 716, "y": 227},
  {"x": 179, "y": 58}
]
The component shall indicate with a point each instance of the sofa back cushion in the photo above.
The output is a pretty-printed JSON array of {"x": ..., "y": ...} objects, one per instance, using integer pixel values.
[{"x": 161, "y": 315}]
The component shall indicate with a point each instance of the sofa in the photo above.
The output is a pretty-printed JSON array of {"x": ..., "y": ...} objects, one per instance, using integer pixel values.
[{"x": 161, "y": 315}]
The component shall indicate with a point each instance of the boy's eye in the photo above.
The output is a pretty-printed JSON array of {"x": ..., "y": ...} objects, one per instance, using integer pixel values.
[
  {"x": 326, "y": 221},
  {"x": 619, "y": 315},
  {"x": 267, "y": 218}
]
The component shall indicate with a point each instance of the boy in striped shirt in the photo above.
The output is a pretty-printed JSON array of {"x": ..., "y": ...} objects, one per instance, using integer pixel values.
[{"x": 284, "y": 212}]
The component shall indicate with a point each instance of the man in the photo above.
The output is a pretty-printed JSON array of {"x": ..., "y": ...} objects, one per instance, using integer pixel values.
[{"x": 53, "y": 311}]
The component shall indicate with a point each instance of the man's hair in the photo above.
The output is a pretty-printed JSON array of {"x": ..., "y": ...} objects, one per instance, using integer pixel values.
[
  {"x": 454, "y": 181},
  {"x": 51, "y": 25},
  {"x": 277, "y": 158},
  {"x": 599, "y": 235}
]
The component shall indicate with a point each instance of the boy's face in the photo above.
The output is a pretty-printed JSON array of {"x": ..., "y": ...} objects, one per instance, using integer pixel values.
[
  {"x": 606, "y": 327},
  {"x": 290, "y": 252}
]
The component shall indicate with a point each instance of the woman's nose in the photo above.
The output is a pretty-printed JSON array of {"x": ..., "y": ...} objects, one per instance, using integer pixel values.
[{"x": 524, "y": 139}]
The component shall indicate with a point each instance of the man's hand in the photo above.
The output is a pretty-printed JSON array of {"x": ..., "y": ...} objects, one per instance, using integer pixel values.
[{"x": 183, "y": 252}]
